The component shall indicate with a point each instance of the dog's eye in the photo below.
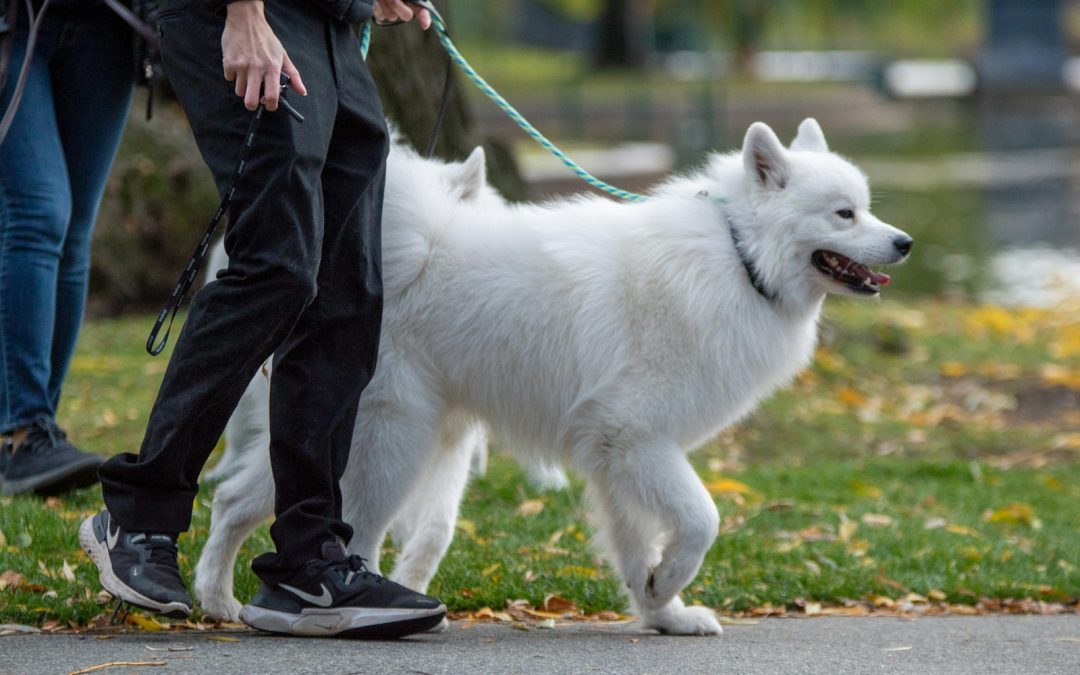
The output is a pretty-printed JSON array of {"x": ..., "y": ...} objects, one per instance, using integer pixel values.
[{"x": 846, "y": 214}]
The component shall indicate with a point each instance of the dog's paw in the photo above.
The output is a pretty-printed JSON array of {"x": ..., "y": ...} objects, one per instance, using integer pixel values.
[
  {"x": 676, "y": 620},
  {"x": 222, "y": 606}
]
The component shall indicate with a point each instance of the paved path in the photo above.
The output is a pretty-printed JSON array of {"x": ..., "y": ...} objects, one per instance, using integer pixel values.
[{"x": 988, "y": 644}]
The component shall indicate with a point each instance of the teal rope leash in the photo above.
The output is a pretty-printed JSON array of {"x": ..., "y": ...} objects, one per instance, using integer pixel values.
[{"x": 503, "y": 104}]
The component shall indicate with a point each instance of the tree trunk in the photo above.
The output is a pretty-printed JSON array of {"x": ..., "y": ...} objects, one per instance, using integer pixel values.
[
  {"x": 410, "y": 67},
  {"x": 623, "y": 37}
]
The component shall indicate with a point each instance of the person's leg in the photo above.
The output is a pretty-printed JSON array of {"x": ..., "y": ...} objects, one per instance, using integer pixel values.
[
  {"x": 325, "y": 363},
  {"x": 274, "y": 243},
  {"x": 91, "y": 98},
  {"x": 311, "y": 585},
  {"x": 35, "y": 205}
]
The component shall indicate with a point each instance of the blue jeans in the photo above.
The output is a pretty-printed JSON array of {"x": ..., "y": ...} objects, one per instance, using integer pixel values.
[{"x": 53, "y": 167}]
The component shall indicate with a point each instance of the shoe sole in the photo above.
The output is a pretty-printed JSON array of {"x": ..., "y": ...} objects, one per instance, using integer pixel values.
[
  {"x": 344, "y": 622},
  {"x": 99, "y": 553},
  {"x": 80, "y": 474}
]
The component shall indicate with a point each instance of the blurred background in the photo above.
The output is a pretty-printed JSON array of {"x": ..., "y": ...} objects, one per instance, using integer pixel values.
[{"x": 963, "y": 113}]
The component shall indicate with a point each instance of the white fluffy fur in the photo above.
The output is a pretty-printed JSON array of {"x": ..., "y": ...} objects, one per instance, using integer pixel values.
[{"x": 611, "y": 338}]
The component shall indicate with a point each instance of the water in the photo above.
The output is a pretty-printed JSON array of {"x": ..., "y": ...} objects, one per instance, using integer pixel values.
[{"x": 996, "y": 214}]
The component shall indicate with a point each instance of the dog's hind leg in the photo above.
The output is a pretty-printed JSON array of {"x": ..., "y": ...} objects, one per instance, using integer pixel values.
[
  {"x": 241, "y": 503},
  {"x": 638, "y": 487},
  {"x": 424, "y": 527},
  {"x": 392, "y": 446}
]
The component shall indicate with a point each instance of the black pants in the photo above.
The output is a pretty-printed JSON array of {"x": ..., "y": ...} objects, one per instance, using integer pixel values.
[{"x": 303, "y": 283}]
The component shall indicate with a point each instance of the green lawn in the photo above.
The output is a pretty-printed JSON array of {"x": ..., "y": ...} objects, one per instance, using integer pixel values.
[{"x": 932, "y": 449}]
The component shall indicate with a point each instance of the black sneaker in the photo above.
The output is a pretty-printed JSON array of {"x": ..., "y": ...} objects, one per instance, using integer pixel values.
[
  {"x": 46, "y": 462},
  {"x": 137, "y": 567},
  {"x": 338, "y": 597}
]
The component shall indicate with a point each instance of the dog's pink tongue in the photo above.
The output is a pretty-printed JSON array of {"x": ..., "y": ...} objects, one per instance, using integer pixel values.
[{"x": 879, "y": 278}]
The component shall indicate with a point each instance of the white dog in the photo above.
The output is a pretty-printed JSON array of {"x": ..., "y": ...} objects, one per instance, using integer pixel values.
[{"x": 612, "y": 338}]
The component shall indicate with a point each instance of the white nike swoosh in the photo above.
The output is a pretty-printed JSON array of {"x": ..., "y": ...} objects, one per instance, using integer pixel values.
[
  {"x": 111, "y": 537},
  {"x": 323, "y": 600}
]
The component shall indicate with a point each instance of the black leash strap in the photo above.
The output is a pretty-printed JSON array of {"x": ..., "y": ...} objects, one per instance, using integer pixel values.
[{"x": 191, "y": 271}]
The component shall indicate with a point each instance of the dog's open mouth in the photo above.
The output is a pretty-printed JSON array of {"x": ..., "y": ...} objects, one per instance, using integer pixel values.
[{"x": 854, "y": 275}]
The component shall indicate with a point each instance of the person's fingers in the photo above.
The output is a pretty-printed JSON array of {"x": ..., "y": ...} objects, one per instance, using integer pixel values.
[
  {"x": 253, "y": 85},
  {"x": 230, "y": 72},
  {"x": 271, "y": 89},
  {"x": 295, "y": 83},
  {"x": 424, "y": 17},
  {"x": 399, "y": 9},
  {"x": 241, "y": 81}
]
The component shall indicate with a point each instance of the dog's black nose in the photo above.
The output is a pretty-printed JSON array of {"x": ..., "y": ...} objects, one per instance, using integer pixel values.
[{"x": 903, "y": 244}]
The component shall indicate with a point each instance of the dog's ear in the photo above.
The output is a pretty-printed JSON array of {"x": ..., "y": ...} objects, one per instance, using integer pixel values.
[
  {"x": 764, "y": 157},
  {"x": 810, "y": 137},
  {"x": 471, "y": 175}
]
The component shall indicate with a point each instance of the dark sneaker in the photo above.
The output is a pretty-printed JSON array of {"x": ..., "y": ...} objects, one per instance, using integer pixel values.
[
  {"x": 46, "y": 463},
  {"x": 338, "y": 597},
  {"x": 137, "y": 567}
]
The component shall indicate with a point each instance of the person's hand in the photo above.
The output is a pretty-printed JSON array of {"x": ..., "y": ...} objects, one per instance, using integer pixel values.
[
  {"x": 253, "y": 57},
  {"x": 390, "y": 10}
]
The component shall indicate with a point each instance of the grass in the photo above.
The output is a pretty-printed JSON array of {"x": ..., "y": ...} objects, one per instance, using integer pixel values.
[{"x": 931, "y": 449}]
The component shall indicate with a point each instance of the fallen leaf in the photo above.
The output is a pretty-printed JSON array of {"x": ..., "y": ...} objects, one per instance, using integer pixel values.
[
  {"x": 11, "y": 579},
  {"x": 882, "y": 601},
  {"x": 812, "y": 608},
  {"x": 851, "y": 397},
  {"x": 937, "y": 595},
  {"x": 467, "y": 526},
  {"x": 847, "y": 530},
  {"x": 1014, "y": 514},
  {"x": 728, "y": 486},
  {"x": 546, "y": 623},
  {"x": 962, "y": 529},
  {"x": 866, "y": 489},
  {"x": 144, "y": 622},
  {"x": 903, "y": 648},
  {"x": 607, "y": 615},
  {"x": 530, "y": 507},
  {"x": 67, "y": 572},
  {"x": 935, "y": 523},
  {"x": 578, "y": 571},
  {"x": 553, "y": 603},
  {"x": 876, "y": 520},
  {"x": 222, "y": 638}
]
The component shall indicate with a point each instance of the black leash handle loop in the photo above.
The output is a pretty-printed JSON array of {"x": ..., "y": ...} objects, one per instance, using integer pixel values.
[{"x": 191, "y": 270}]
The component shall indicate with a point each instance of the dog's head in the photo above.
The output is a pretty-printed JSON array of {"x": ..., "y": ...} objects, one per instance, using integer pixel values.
[{"x": 815, "y": 207}]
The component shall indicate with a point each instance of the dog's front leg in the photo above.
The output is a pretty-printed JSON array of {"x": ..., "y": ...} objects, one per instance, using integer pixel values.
[
  {"x": 639, "y": 487},
  {"x": 241, "y": 503}
]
